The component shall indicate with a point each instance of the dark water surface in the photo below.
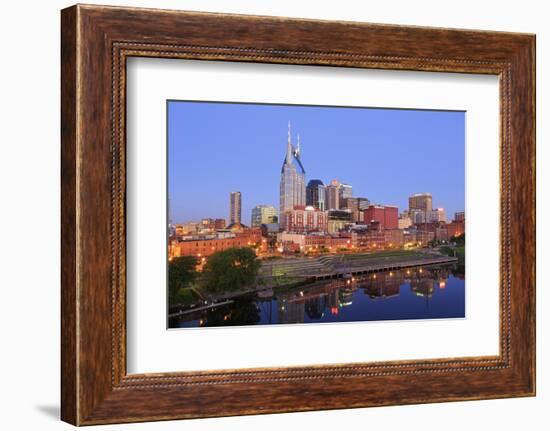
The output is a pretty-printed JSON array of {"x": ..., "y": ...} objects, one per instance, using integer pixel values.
[{"x": 417, "y": 293}]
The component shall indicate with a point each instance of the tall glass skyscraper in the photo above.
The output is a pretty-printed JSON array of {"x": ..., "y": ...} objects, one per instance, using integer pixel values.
[
  {"x": 315, "y": 194},
  {"x": 293, "y": 176}
]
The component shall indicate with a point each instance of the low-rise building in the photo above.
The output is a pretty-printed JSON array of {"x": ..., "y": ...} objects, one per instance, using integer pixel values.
[
  {"x": 404, "y": 222},
  {"x": 338, "y": 220},
  {"x": 455, "y": 228},
  {"x": 206, "y": 245},
  {"x": 303, "y": 219}
]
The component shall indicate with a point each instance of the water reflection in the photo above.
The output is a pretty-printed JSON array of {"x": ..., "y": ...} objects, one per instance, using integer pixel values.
[{"x": 418, "y": 293}]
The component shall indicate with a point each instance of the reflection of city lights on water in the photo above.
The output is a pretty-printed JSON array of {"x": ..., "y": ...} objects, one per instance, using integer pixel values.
[{"x": 442, "y": 285}]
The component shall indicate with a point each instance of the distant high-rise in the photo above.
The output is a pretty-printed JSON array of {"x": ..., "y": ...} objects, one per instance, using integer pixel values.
[
  {"x": 316, "y": 194},
  {"x": 385, "y": 215},
  {"x": 263, "y": 214},
  {"x": 292, "y": 186},
  {"x": 437, "y": 215},
  {"x": 345, "y": 191},
  {"x": 235, "y": 205},
  {"x": 420, "y": 201},
  {"x": 363, "y": 203},
  {"x": 434, "y": 216},
  {"x": 333, "y": 195},
  {"x": 356, "y": 206}
]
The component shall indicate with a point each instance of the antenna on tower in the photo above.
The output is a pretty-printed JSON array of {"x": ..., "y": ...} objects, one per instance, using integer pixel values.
[
  {"x": 288, "y": 130},
  {"x": 289, "y": 147},
  {"x": 298, "y": 147}
]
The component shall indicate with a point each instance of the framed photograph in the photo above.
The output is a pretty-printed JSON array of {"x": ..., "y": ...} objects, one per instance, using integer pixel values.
[{"x": 265, "y": 215}]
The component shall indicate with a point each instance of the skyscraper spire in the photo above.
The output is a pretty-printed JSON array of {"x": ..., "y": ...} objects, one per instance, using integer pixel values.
[
  {"x": 292, "y": 187},
  {"x": 289, "y": 148}
]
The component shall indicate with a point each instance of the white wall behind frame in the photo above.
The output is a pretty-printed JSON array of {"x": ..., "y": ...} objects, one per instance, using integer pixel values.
[{"x": 152, "y": 348}]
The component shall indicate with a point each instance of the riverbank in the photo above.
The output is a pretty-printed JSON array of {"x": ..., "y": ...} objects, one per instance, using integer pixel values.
[
  {"x": 286, "y": 274},
  {"x": 428, "y": 291}
]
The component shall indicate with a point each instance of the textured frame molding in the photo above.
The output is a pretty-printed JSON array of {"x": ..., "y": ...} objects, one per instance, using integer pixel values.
[{"x": 96, "y": 41}]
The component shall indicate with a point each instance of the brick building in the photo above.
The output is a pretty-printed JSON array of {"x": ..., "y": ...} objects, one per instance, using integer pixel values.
[
  {"x": 304, "y": 219},
  {"x": 386, "y": 215},
  {"x": 207, "y": 246}
]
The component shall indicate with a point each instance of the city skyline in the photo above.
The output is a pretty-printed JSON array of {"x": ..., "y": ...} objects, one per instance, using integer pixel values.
[{"x": 390, "y": 154}]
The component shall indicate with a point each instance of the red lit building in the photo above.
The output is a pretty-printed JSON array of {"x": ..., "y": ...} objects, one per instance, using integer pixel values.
[
  {"x": 386, "y": 215},
  {"x": 455, "y": 228},
  {"x": 390, "y": 217}
]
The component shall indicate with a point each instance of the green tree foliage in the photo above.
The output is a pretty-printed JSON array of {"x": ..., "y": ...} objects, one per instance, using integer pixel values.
[
  {"x": 230, "y": 269},
  {"x": 181, "y": 272}
]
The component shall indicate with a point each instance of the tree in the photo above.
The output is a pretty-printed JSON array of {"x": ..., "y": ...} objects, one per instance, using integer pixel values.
[
  {"x": 230, "y": 269},
  {"x": 181, "y": 272}
]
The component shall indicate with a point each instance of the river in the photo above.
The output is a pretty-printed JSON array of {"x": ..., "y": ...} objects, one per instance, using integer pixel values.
[{"x": 415, "y": 293}]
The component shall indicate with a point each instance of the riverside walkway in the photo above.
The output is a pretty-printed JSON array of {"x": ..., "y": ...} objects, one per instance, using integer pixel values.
[{"x": 334, "y": 266}]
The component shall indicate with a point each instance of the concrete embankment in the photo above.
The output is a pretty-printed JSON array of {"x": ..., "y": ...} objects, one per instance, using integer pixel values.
[{"x": 337, "y": 265}]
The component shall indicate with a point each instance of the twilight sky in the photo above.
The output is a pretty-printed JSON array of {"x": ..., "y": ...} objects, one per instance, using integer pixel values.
[{"x": 385, "y": 154}]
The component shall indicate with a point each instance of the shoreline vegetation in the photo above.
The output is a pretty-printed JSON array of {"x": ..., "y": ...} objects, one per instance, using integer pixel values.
[{"x": 237, "y": 272}]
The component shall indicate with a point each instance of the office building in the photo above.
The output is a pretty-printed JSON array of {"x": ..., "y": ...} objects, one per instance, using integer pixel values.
[
  {"x": 345, "y": 191},
  {"x": 235, "y": 204},
  {"x": 420, "y": 201},
  {"x": 386, "y": 215},
  {"x": 263, "y": 214},
  {"x": 316, "y": 194},
  {"x": 333, "y": 195},
  {"x": 292, "y": 191}
]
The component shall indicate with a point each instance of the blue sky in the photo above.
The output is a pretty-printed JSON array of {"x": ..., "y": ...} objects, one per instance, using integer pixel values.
[{"x": 385, "y": 154}]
